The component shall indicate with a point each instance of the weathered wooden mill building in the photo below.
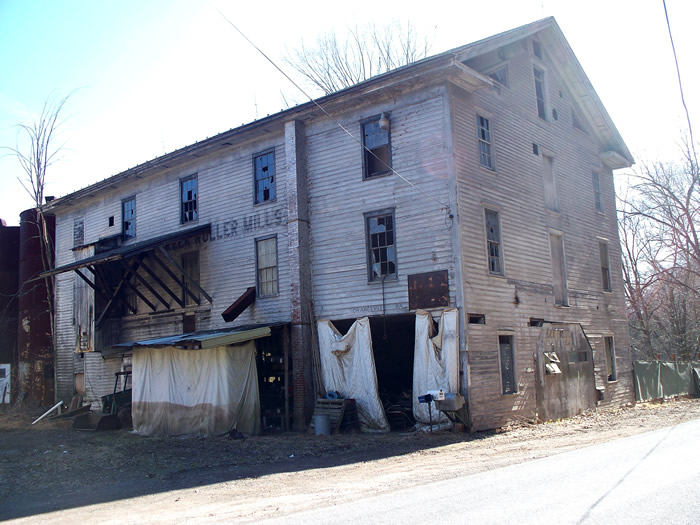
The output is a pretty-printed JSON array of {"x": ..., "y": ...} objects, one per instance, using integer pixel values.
[{"x": 478, "y": 179}]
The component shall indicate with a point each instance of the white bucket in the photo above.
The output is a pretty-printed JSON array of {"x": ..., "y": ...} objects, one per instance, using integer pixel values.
[{"x": 322, "y": 424}]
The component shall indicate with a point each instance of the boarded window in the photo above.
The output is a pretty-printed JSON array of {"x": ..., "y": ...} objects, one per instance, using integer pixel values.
[
  {"x": 264, "y": 167},
  {"x": 540, "y": 93},
  {"x": 484, "y": 134},
  {"x": 78, "y": 232},
  {"x": 549, "y": 178},
  {"x": 605, "y": 266},
  {"x": 610, "y": 364},
  {"x": 493, "y": 240},
  {"x": 561, "y": 293},
  {"x": 507, "y": 357},
  {"x": 597, "y": 197},
  {"x": 129, "y": 218},
  {"x": 266, "y": 253},
  {"x": 381, "y": 246},
  {"x": 377, "y": 148},
  {"x": 190, "y": 264},
  {"x": 188, "y": 199}
]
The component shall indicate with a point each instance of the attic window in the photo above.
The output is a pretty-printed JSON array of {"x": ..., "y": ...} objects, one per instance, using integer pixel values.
[
  {"x": 537, "y": 49},
  {"x": 576, "y": 121},
  {"x": 500, "y": 75},
  {"x": 477, "y": 318}
]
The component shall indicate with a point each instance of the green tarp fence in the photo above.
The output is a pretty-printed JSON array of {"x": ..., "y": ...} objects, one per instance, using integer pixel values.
[{"x": 659, "y": 380}]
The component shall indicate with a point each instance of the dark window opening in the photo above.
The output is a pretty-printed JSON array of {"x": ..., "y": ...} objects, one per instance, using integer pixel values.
[
  {"x": 540, "y": 93},
  {"x": 507, "y": 356},
  {"x": 534, "y": 321},
  {"x": 535, "y": 149},
  {"x": 188, "y": 193},
  {"x": 555, "y": 114},
  {"x": 110, "y": 221},
  {"x": 610, "y": 364},
  {"x": 381, "y": 246},
  {"x": 129, "y": 218},
  {"x": 264, "y": 167},
  {"x": 377, "y": 148},
  {"x": 605, "y": 266},
  {"x": 477, "y": 318},
  {"x": 274, "y": 385}
]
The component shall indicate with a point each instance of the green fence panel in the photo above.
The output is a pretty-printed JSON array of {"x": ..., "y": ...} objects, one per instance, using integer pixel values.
[{"x": 647, "y": 384}]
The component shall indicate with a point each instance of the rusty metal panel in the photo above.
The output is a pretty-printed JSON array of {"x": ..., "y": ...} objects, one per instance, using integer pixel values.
[{"x": 428, "y": 290}]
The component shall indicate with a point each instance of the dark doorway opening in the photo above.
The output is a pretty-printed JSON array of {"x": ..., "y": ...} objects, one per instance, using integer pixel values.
[{"x": 273, "y": 382}]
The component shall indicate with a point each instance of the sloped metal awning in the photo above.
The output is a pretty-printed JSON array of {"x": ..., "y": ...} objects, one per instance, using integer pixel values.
[
  {"x": 141, "y": 263},
  {"x": 202, "y": 340}
]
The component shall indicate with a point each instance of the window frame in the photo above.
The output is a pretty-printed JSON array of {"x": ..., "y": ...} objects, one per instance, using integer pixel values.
[
  {"x": 365, "y": 153},
  {"x": 597, "y": 192},
  {"x": 506, "y": 75},
  {"x": 258, "y": 269},
  {"x": 564, "y": 302},
  {"x": 368, "y": 246},
  {"x": 551, "y": 195},
  {"x": 499, "y": 242},
  {"x": 514, "y": 368},
  {"x": 273, "y": 185},
  {"x": 541, "y": 103},
  {"x": 133, "y": 219},
  {"x": 606, "y": 276},
  {"x": 187, "y": 298},
  {"x": 610, "y": 358},
  {"x": 488, "y": 142},
  {"x": 183, "y": 203},
  {"x": 78, "y": 226}
]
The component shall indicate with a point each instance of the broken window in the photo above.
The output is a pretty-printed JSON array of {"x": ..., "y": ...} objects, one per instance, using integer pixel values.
[
  {"x": 540, "y": 93},
  {"x": 264, "y": 167},
  {"x": 507, "y": 357},
  {"x": 381, "y": 245},
  {"x": 477, "y": 318},
  {"x": 549, "y": 177},
  {"x": 561, "y": 293},
  {"x": 610, "y": 365},
  {"x": 78, "y": 232},
  {"x": 484, "y": 134},
  {"x": 188, "y": 194},
  {"x": 129, "y": 218},
  {"x": 493, "y": 241},
  {"x": 500, "y": 75},
  {"x": 377, "y": 147},
  {"x": 266, "y": 262},
  {"x": 597, "y": 196},
  {"x": 190, "y": 264},
  {"x": 605, "y": 266}
]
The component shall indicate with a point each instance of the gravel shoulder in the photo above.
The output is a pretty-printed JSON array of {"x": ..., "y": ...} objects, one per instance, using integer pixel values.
[{"x": 52, "y": 473}]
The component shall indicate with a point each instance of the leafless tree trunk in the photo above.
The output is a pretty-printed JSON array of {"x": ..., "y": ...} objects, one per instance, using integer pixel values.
[{"x": 335, "y": 63}]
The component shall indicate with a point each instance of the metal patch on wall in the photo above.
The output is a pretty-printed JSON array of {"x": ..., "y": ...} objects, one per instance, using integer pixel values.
[{"x": 428, "y": 290}]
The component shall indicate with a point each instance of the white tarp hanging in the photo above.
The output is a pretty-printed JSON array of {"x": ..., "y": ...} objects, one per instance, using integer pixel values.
[
  {"x": 435, "y": 360},
  {"x": 347, "y": 366},
  {"x": 201, "y": 392}
]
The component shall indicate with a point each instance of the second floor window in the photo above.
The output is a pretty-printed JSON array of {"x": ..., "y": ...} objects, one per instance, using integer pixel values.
[
  {"x": 597, "y": 196},
  {"x": 605, "y": 266},
  {"x": 377, "y": 147},
  {"x": 129, "y": 218},
  {"x": 266, "y": 261},
  {"x": 381, "y": 246},
  {"x": 493, "y": 240},
  {"x": 540, "y": 93},
  {"x": 188, "y": 199},
  {"x": 484, "y": 129},
  {"x": 264, "y": 166}
]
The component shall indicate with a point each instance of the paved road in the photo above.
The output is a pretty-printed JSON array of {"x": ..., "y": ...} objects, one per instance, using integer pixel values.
[{"x": 648, "y": 478}]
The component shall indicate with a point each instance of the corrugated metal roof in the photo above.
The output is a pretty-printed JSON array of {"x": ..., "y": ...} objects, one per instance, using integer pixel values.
[{"x": 203, "y": 340}]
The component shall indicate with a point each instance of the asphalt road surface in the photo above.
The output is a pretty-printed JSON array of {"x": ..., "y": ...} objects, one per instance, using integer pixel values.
[{"x": 647, "y": 478}]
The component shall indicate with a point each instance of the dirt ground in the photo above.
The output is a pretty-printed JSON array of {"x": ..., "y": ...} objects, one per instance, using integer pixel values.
[{"x": 48, "y": 467}]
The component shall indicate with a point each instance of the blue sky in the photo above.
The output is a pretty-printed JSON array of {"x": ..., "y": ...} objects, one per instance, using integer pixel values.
[{"x": 151, "y": 76}]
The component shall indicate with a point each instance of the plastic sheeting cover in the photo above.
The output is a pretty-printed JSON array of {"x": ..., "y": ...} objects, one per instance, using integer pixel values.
[
  {"x": 435, "y": 361},
  {"x": 204, "y": 392},
  {"x": 657, "y": 379},
  {"x": 347, "y": 366}
]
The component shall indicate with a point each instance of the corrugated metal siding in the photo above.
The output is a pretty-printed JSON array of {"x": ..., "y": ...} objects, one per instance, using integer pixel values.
[
  {"x": 516, "y": 190},
  {"x": 339, "y": 197}
]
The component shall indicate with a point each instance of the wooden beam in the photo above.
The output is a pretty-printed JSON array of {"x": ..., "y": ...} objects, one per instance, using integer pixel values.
[
  {"x": 140, "y": 295},
  {"x": 151, "y": 289},
  {"x": 161, "y": 283},
  {"x": 189, "y": 278},
  {"x": 115, "y": 293},
  {"x": 175, "y": 277}
]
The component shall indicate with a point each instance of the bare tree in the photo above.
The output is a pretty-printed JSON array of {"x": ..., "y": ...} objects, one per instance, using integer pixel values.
[
  {"x": 36, "y": 151},
  {"x": 336, "y": 63}
]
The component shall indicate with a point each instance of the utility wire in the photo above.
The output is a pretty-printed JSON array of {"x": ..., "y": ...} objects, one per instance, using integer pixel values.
[
  {"x": 442, "y": 205},
  {"x": 680, "y": 84}
]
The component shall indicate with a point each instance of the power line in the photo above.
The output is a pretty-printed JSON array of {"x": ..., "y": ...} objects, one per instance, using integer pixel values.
[{"x": 442, "y": 205}]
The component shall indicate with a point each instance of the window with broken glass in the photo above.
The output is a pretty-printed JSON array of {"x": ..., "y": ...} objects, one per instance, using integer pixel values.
[
  {"x": 377, "y": 147},
  {"x": 266, "y": 262},
  {"x": 129, "y": 218},
  {"x": 484, "y": 133},
  {"x": 188, "y": 199},
  {"x": 381, "y": 245},
  {"x": 264, "y": 168},
  {"x": 493, "y": 240}
]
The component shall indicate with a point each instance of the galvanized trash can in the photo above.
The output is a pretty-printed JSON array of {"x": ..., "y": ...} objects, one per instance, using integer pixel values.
[{"x": 322, "y": 424}]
